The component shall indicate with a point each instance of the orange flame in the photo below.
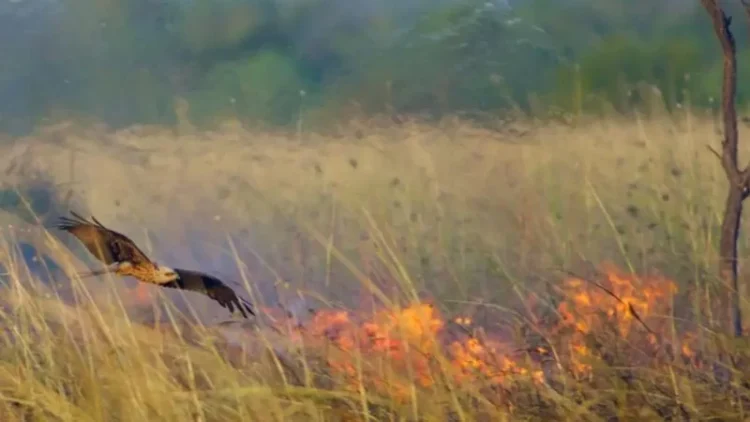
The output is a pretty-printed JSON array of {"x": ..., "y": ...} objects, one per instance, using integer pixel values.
[
  {"x": 396, "y": 350},
  {"x": 407, "y": 342},
  {"x": 590, "y": 308},
  {"x": 142, "y": 293}
]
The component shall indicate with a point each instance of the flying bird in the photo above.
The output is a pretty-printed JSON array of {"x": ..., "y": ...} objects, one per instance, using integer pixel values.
[{"x": 125, "y": 259}]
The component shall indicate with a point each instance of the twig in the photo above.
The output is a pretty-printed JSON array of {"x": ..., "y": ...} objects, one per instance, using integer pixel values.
[
  {"x": 611, "y": 293},
  {"x": 716, "y": 153}
]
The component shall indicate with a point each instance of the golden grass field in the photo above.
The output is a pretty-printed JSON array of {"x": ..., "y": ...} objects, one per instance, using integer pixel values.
[{"x": 434, "y": 254}]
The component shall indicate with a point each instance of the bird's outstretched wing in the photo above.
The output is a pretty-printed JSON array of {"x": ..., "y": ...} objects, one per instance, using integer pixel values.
[
  {"x": 106, "y": 245},
  {"x": 211, "y": 287}
]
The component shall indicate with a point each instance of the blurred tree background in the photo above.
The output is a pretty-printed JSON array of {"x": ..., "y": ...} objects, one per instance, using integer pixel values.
[{"x": 279, "y": 61}]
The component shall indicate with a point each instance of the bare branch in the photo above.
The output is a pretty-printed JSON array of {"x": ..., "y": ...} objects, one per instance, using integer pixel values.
[
  {"x": 716, "y": 153},
  {"x": 721, "y": 23}
]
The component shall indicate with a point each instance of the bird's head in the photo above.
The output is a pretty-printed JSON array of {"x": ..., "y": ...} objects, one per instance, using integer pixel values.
[{"x": 166, "y": 274}]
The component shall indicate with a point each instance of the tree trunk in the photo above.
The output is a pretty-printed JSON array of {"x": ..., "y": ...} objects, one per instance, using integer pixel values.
[
  {"x": 730, "y": 230},
  {"x": 739, "y": 180}
]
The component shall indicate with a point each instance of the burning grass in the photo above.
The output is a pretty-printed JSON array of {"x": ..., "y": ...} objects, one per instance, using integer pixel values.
[
  {"x": 435, "y": 252},
  {"x": 601, "y": 347},
  {"x": 611, "y": 348}
]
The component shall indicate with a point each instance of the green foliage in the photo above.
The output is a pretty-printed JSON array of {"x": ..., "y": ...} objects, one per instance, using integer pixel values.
[
  {"x": 466, "y": 56},
  {"x": 266, "y": 86},
  {"x": 611, "y": 73},
  {"x": 126, "y": 96},
  {"x": 126, "y": 60},
  {"x": 207, "y": 26},
  {"x": 709, "y": 83}
]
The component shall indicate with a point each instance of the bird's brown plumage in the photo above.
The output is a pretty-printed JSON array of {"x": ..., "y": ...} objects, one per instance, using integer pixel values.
[
  {"x": 106, "y": 245},
  {"x": 112, "y": 247}
]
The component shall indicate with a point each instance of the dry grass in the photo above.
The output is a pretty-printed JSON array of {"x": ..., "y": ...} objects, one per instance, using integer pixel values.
[{"x": 379, "y": 212}]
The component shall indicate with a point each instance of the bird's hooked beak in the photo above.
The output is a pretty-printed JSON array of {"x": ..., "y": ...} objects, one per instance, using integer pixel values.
[{"x": 167, "y": 274}]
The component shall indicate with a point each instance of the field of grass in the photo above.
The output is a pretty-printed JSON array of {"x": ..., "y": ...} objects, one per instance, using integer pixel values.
[{"x": 455, "y": 273}]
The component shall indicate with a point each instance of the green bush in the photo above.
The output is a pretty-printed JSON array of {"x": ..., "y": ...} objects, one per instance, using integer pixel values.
[
  {"x": 266, "y": 86},
  {"x": 708, "y": 83},
  {"x": 612, "y": 71},
  {"x": 125, "y": 61},
  {"x": 468, "y": 56},
  {"x": 203, "y": 27}
]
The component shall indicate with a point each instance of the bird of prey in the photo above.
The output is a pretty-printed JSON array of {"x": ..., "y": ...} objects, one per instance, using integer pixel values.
[{"x": 124, "y": 258}]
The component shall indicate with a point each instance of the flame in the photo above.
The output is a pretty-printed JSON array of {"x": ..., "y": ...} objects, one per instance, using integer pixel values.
[
  {"x": 398, "y": 348},
  {"x": 402, "y": 350},
  {"x": 139, "y": 295},
  {"x": 142, "y": 294},
  {"x": 589, "y": 308}
]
